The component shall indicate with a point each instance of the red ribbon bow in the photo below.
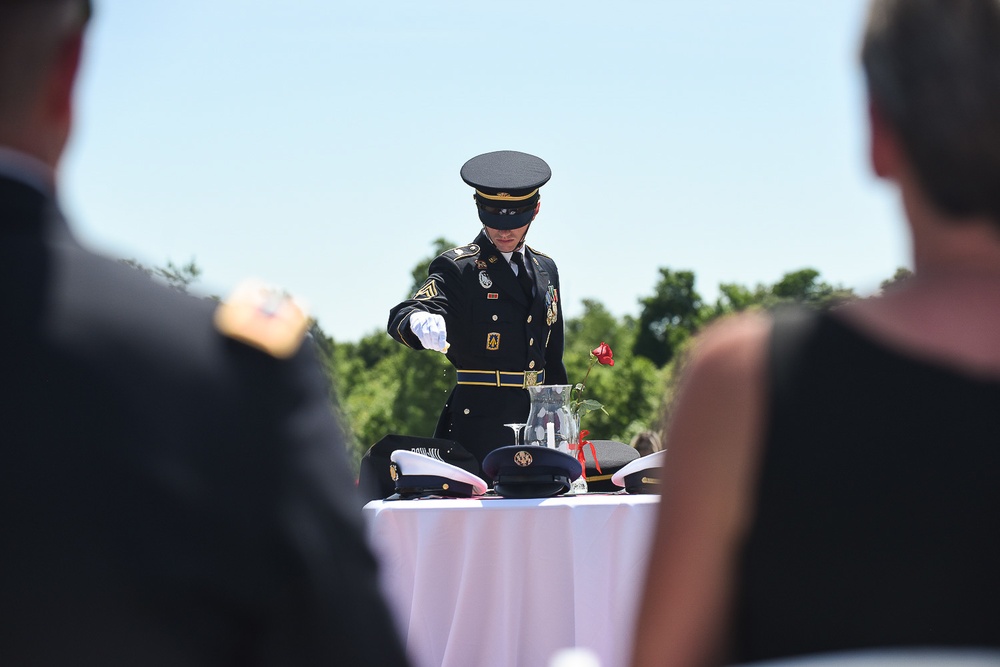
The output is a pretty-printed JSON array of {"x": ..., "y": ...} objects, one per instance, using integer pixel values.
[{"x": 582, "y": 457}]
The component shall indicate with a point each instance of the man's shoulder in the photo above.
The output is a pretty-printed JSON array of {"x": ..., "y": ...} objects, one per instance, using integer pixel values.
[
  {"x": 114, "y": 300},
  {"x": 461, "y": 253},
  {"x": 461, "y": 259},
  {"x": 541, "y": 258},
  {"x": 539, "y": 253}
]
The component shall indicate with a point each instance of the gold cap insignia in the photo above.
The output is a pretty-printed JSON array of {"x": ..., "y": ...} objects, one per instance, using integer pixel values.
[
  {"x": 522, "y": 459},
  {"x": 394, "y": 471},
  {"x": 263, "y": 317}
]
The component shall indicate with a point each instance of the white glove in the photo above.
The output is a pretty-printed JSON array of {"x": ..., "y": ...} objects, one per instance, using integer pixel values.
[{"x": 430, "y": 330}]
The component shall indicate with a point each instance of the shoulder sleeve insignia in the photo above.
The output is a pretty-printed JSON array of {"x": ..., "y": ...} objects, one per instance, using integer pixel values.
[
  {"x": 263, "y": 317},
  {"x": 428, "y": 291}
]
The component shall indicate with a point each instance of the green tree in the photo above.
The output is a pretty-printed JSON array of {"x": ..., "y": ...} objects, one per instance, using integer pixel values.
[
  {"x": 178, "y": 277},
  {"x": 629, "y": 390},
  {"x": 897, "y": 279},
  {"x": 804, "y": 287},
  {"x": 668, "y": 317}
]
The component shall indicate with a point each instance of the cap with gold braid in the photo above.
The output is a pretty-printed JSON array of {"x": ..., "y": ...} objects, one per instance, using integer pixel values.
[
  {"x": 506, "y": 184},
  {"x": 642, "y": 475},
  {"x": 263, "y": 317}
]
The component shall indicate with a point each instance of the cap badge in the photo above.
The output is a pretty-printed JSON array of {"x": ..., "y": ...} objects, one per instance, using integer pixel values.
[
  {"x": 394, "y": 471},
  {"x": 493, "y": 341},
  {"x": 484, "y": 280},
  {"x": 522, "y": 459}
]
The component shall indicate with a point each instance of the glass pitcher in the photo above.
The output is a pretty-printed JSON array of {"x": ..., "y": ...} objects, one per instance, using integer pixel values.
[{"x": 550, "y": 421}]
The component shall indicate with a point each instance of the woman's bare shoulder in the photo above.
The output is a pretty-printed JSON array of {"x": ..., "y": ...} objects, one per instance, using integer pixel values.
[{"x": 733, "y": 344}]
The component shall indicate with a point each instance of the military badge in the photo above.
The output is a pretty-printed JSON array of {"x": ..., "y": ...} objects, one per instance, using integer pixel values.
[
  {"x": 492, "y": 296},
  {"x": 484, "y": 280},
  {"x": 428, "y": 291},
  {"x": 493, "y": 259},
  {"x": 393, "y": 471},
  {"x": 493, "y": 341},
  {"x": 522, "y": 458},
  {"x": 551, "y": 309},
  {"x": 263, "y": 317},
  {"x": 480, "y": 264}
]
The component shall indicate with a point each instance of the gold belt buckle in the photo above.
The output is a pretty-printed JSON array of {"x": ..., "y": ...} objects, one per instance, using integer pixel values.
[{"x": 531, "y": 378}]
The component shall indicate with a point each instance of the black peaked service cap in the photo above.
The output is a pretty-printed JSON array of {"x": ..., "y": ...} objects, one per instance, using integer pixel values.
[
  {"x": 530, "y": 471},
  {"x": 506, "y": 184}
]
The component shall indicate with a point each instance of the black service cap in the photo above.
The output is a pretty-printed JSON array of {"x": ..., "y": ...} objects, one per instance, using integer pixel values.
[
  {"x": 612, "y": 456},
  {"x": 530, "y": 471},
  {"x": 506, "y": 184}
]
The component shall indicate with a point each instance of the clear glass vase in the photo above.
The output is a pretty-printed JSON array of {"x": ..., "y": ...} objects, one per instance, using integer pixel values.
[{"x": 551, "y": 422}]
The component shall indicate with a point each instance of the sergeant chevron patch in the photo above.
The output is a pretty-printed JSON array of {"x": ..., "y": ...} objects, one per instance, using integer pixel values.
[{"x": 428, "y": 291}]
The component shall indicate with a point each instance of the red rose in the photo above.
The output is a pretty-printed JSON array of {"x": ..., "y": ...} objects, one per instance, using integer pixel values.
[{"x": 603, "y": 353}]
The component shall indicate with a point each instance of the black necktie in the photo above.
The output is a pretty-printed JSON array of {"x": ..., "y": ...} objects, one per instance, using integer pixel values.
[{"x": 522, "y": 274}]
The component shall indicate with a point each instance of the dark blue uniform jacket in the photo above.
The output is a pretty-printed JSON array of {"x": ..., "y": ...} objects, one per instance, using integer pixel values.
[{"x": 492, "y": 326}]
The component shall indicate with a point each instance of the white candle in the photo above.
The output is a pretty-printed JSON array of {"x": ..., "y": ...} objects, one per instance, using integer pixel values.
[{"x": 550, "y": 434}]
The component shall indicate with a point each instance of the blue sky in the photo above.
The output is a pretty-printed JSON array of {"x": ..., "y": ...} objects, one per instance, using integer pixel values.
[{"x": 316, "y": 144}]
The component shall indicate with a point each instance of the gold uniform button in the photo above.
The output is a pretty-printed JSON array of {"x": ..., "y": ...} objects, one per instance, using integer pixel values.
[
  {"x": 466, "y": 411},
  {"x": 495, "y": 318},
  {"x": 531, "y": 341},
  {"x": 531, "y": 365},
  {"x": 529, "y": 319}
]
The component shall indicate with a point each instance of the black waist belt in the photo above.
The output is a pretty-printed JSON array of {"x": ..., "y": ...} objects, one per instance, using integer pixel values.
[{"x": 501, "y": 378}]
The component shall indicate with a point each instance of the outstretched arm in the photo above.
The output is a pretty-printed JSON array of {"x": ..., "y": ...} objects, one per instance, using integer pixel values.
[{"x": 421, "y": 322}]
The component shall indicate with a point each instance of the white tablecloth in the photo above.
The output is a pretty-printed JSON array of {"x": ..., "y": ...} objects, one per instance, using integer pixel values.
[{"x": 505, "y": 583}]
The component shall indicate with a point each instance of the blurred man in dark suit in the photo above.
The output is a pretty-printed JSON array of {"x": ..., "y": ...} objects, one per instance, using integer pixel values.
[{"x": 173, "y": 489}]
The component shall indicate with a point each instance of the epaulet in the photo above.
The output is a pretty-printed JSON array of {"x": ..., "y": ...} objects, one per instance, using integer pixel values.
[
  {"x": 540, "y": 254},
  {"x": 462, "y": 252},
  {"x": 263, "y": 317}
]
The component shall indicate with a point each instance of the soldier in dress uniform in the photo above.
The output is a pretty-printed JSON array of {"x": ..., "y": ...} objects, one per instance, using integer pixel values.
[{"x": 492, "y": 306}]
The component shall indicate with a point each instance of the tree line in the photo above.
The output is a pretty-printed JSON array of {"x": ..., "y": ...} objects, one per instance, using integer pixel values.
[{"x": 379, "y": 386}]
